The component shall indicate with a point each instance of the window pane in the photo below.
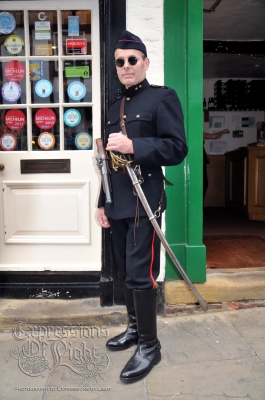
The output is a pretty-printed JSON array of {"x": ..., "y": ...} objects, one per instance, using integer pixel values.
[
  {"x": 77, "y": 76},
  {"x": 78, "y": 133},
  {"x": 13, "y": 130},
  {"x": 76, "y": 30},
  {"x": 12, "y": 38},
  {"x": 45, "y": 129},
  {"x": 43, "y": 33},
  {"x": 44, "y": 81},
  {"x": 13, "y": 82}
]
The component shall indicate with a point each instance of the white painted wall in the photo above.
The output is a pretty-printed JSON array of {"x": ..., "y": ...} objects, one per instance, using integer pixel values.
[
  {"x": 145, "y": 19},
  {"x": 249, "y": 133}
]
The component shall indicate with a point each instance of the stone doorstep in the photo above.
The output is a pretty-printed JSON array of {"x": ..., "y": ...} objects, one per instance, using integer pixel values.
[{"x": 224, "y": 289}]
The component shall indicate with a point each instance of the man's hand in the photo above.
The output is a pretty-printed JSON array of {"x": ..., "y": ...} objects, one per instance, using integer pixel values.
[
  {"x": 120, "y": 142},
  {"x": 102, "y": 219}
]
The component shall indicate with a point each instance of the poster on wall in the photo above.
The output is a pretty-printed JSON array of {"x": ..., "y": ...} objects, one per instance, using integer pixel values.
[
  {"x": 73, "y": 26},
  {"x": 217, "y": 122},
  {"x": 218, "y": 147}
]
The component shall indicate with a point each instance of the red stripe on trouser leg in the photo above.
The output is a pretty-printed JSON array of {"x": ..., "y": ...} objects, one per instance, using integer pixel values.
[{"x": 152, "y": 260}]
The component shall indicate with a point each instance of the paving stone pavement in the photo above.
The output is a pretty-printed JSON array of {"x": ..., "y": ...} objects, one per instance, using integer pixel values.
[{"x": 211, "y": 356}]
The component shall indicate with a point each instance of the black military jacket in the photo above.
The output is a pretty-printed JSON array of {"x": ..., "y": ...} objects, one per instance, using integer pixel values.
[{"x": 154, "y": 122}]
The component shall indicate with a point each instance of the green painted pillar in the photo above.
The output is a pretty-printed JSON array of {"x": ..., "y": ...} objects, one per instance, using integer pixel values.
[{"x": 183, "y": 38}]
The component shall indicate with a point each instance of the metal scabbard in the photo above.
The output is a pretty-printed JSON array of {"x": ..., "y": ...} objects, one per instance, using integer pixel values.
[{"x": 139, "y": 191}]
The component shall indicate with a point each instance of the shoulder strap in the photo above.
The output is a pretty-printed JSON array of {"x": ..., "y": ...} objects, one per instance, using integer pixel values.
[{"x": 122, "y": 121}]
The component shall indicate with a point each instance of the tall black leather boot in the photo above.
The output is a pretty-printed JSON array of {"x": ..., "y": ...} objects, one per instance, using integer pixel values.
[
  {"x": 129, "y": 337},
  {"x": 147, "y": 353}
]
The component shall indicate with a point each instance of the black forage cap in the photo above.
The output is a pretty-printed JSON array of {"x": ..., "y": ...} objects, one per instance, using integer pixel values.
[{"x": 130, "y": 41}]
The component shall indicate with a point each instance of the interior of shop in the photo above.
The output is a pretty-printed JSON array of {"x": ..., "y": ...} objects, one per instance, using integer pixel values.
[{"x": 234, "y": 114}]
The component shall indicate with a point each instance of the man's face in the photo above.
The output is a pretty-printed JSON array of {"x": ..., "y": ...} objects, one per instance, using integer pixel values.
[{"x": 131, "y": 75}]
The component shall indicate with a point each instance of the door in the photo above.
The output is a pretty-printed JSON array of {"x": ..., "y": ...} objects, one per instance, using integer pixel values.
[{"x": 50, "y": 118}]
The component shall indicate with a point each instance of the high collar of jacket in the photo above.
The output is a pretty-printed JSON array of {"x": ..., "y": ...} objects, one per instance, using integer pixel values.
[{"x": 133, "y": 90}]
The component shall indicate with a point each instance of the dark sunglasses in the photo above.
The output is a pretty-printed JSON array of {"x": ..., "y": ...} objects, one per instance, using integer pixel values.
[{"x": 132, "y": 60}]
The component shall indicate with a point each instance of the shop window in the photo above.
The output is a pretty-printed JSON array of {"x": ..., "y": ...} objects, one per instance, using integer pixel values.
[{"x": 46, "y": 80}]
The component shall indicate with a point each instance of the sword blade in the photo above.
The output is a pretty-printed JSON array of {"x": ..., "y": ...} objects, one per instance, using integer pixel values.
[{"x": 162, "y": 238}]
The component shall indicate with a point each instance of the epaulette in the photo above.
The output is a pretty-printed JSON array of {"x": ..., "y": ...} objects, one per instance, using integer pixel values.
[{"x": 158, "y": 86}]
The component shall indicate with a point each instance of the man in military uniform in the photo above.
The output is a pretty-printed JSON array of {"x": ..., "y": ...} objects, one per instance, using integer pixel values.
[{"x": 155, "y": 138}]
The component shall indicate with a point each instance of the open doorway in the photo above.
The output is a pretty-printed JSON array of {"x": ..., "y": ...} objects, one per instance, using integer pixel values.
[{"x": 234, "y": 119}]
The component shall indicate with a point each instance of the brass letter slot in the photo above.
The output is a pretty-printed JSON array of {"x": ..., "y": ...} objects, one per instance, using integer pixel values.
[{"x": 45, "y": 166}]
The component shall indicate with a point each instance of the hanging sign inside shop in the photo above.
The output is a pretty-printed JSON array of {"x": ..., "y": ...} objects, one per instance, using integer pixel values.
[
  {"x": 14, "y": 45},
  {"x": 8, "y": 142},
  {"x": 42, "y": 30},
  {"x": 11, "y": 91},
  {"x": 76, "y": 46},
  {"x": 7, "y": 23},
  {"x": 35, "y": 70},
  {"x": 73, "y": 26},
  {"x": 43, "y": 88},
  {"x": 83, "y": 141},
  {"x": 76, "y": 90},
  {"x": 72, "y": 117},
  {"x": 14, "y": 71},
  {"x": 45, "y": 118},
  {"x": 46, "y": 140},
  {"x": 15, "y": 119}
]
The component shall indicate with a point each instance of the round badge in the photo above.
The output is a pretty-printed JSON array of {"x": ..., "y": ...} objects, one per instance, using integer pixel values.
[
  {"x": 83, "y": 141},
  {"x": 72, "y": 117},
  {"x": 7, "y": 23},
  {"x": 46, "y": 140},
  {"x": 8, "y": 142},
  {"x": 15, "y": 119},
  {"x": 43, "y": 88},
  {"x": 76, "y": 90},
  {"x": 14, "y": 45},
  {"x": 45, "y": 118},
  {"x": 14, "y": 71},
  {"x": 11, "y": 91}
]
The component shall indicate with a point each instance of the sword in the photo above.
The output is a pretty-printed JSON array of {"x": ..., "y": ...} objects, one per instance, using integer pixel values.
[{"x": 152, "y": 218}]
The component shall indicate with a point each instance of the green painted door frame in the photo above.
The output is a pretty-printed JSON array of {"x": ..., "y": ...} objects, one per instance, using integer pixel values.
[{"x": 183, "y": 38}]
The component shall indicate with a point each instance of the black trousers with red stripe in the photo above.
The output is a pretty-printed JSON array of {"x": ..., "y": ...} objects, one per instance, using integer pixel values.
[{"x": 136, "y": 251}]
